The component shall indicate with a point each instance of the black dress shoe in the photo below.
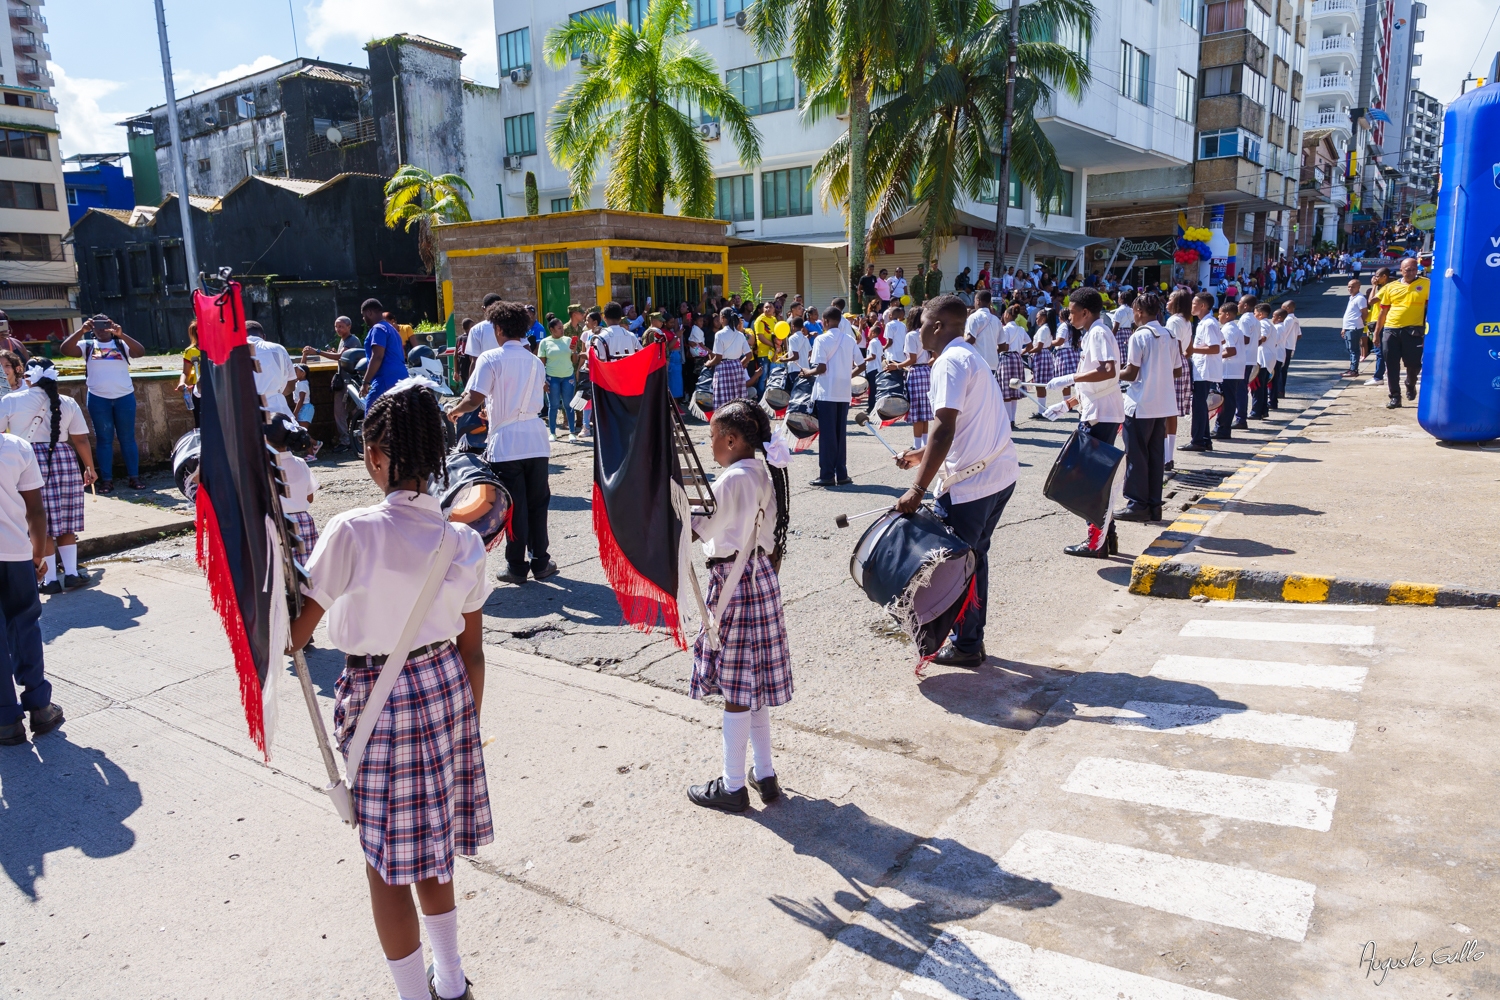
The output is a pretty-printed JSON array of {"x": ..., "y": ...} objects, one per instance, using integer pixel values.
[
  {"x": 1082, "y": 549},
  {"x": 546, "y": 572},
  {"x": 510, "y": 576},
  {"x": 844, "y": 481},
  {"x": 1156, "y": 514},
  {"x": 1222, "y": 437},
  {"x": 467, "y": 994},
  {"x": 713, "y": 795},
  {"x": 1112, "y": 541},
  {"x": 1133, "y": 514},
  {"x": 72, "y": 581},
  {"x": 56, "y": 586},
  {"x": 1241, "y": 426},
  {"x": 13, "y": 735},
  {"x": 1195, "y": 447},
  {"x": 951, "y": 656},
  {"x": 1169, "y": 467},
  {"x": 1411, "y": 393},
  {"x": 1394, "y": 404},
  {"x": 768, "y": 788},
  {"x": 822, "y": 482},
  {"x": 46, "y": 719}
]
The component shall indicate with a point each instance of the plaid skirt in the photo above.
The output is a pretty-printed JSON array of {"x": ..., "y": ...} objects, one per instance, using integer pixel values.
[
  {"x": 729, "y": 381},
  {"x": 62, "y": 488},
  {"x": 1067, "y": 360},
  {"x": 918, "y": 384},
  {"x": 1184, "y": 385},
  {"x": 420, "y": 795},
  {"x": 1122, "y": 341},
  {"x": 1012, "y": 365},
  {"x": 753, "y": 666},
  {"x": 1043, "y": 366},
  {"x": 307, "y": 529}
]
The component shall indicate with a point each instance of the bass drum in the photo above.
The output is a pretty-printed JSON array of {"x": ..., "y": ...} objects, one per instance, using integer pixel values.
[
  {"x": 703, "y": 393},
  {"x": 185, "y": 464},
  {"x": 799, "y": 410},
  {"x": 858, "y": 387},
  {"x": 777, "y": 397},
  {"x": 914, "y": 567},
  {"x": 890, "y": 395},
  {"x": 476, "y": 497}
]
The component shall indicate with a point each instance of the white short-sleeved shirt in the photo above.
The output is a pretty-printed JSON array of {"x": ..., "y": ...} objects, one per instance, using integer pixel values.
[
  {"x": 302, "y": 392},
  {"x": 1208, "y": 367},
  {"x": 731, "y": 344},
  {"x": 738, "y": 492},
  {"x": 1043, "y": 337},
  {"x": 617, "y": 342},
  {"x": 836, "y": 350},
  {"x": 107, "y": 368},
  {"x": 1014, "y": 337},
  {"x": 1181, "y": 328},
  {"x": 963, "y": 381},
  {"x": 895, "y": 333},
  {"x": 874, "y": 355},
  {"x": 983, "y": 327},
  {"x": 696, "y": 348},
  {"x": 301, "y": 483},
  {"x": 914, "y": 347},
  {"x": 481, "y": 338},
  {"x": 18, "y": 471},
  {"x": 798, "y": 352},
  {"x": 513, "y": 381},
  {"x": 1236, "y": 337},
  {"x": 1270, "y": 352},
  {"x": 275, "y": 372},
  {"x": 1153, "y": 393},
  {"x": 1354, "y": 312},
  {"x": 27, "y": 413},
  {"x": 369, "y": 563},
  {"x": 1124, "y": 317},
  {"x": 1293, "y": 332},
  {"x": 1099, "y": 346}
]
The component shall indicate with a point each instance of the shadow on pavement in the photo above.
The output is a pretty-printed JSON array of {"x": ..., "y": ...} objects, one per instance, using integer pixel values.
[
  {"x": 88, "y": 607},
  {"x": 55, "y": 795},
  {"x": 559, "y": 502},
  {"x": 1243, "y": 547},
  {"x": 999, "y": 692},
  {"x": 574, "y": 600},
  {"x": 1251, "y": 508}
]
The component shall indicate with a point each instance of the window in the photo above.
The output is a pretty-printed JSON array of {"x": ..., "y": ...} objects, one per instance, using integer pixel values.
[
  {"x": 733, "y": 7},
  {"x": 174, "y": 263},
  {"x": 1070, "y": 37},
  {"x": 786, "y": 193},
  {"x": 703, "y": 13},
  {"x": 1187, "y": 96},
  {"x": 693, "y": 110},
  {"x": 24, "y": 194},
  {"x": 139, "y": 270},
  {"x": 1063, "y": 204},
  {"x": 515, "y": 50},
  {"x": 276, "y": 157},
  {"x": 244, "y": 105},
  {"x": 20, "y": 100},
  {"x": 605, "y": 10},
  {"x": 72, "y": 196},
  {"x": 635, "y": 13},
  {"x": 1279, "y": 103},
  {"x": 204, "y": 166},
  {"x": 562, "y": 204},
  {"x": 31, "y": 246},
  {"x": 1187, "y": 10},
  {"x": 1241, "y": 79},
  {"x": 1231, "y": 15},
  {"x": 107, "y": 267},
  {"x": 520, "y": 135},
  {"x": 734, "y": 198},
  {"x": 1299, "y": 57},
  {"x": 764, "y": 87},
  {"x": 1228, "y": 142},
  {"x": 1283, "y": 49},
  {"x": 24, "y": 145},
  {"x": 988, "y": 198},
  {"x": 1135, "y": 73}
]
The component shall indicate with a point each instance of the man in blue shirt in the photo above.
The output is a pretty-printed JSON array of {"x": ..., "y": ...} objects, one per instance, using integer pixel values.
[
  {"x": 385, "y": 353},
  {"x": 536, "y": 332}
]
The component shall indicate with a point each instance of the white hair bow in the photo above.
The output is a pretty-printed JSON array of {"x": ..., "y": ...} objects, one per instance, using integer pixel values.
[
  {"x": 35, "y": 373},
  {"x": 778, "y": 449}
]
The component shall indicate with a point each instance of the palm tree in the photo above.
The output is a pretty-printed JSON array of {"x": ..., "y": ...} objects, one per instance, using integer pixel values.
[
  {"x": 935, "y": 137},
  {"x": 841, "y": 50},
  {"x": 639, "y": 99},
  {"x": 414, "y": 197}
]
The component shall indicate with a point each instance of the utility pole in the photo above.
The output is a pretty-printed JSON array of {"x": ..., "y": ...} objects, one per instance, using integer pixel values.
[
  {"x": 1002, "y": 194},
  {"x": 179, "y": 167}
]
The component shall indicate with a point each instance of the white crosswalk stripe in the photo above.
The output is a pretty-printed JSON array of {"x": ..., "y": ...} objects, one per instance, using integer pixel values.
[
  {"x": 1200, "y": 890},
  {"x": 1265, "y": 673},
  {"x": 1275, "y": 728},
  {"x": 1284, "y": 606},
  {"x": 966, "y": 964},
  {"x": 1284, "y": 803},
  {"x": 1315, "y": 632}
]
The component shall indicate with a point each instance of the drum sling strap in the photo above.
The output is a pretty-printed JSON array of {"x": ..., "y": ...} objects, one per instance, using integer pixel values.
[{"x": 736, "y": 569}]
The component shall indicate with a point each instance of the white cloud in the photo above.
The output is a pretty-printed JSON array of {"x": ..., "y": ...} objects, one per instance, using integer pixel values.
[
  {"x": 189, "y": 81},
  {"x": 1452, "y": 45},
  {"x": 469, "y": 24},
  {"x": 85, "y": 127}
]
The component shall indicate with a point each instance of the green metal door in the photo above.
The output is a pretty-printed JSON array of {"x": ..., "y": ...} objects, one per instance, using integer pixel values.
[{"x": 555, "y": 295}]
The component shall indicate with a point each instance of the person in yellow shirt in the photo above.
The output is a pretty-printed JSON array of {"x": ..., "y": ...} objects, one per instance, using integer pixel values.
[
  {"x": 765, "y": 344},
  {"x": 1401, "y": 327}
]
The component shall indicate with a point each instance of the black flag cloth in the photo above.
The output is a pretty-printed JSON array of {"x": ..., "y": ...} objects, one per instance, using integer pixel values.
[
  {"x": 239, "y": 542},
  {"x": 635, "y": 466}
]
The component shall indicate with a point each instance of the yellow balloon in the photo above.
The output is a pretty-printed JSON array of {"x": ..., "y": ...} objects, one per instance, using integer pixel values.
[
  {"x": 906, "y": 300},
  {"x": 1164, "y": 286},
  {"x": 782, "y": 329}
]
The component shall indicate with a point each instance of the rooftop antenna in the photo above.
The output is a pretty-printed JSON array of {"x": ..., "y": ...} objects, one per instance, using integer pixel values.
[{"x": 293, "y": 15}]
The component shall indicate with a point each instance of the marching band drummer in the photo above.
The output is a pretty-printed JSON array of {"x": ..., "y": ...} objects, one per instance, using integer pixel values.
[{"x": 967, "y": 407}]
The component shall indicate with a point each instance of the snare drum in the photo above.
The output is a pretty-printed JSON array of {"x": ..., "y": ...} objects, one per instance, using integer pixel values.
[
  {"x": 776, "y": 396},
  {"x": 858, "y": 386},
  {"x": 475, "y": 497},
  {"x": 185, "y": 463}
]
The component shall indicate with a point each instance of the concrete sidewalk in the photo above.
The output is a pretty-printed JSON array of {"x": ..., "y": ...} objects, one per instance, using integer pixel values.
[
  {"x": 113, "y": 524},
  {"x": 1359, "y": 505}
]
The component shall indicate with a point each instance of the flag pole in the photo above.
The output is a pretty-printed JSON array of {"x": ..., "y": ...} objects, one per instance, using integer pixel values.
[{"x": 179, "y": 167}]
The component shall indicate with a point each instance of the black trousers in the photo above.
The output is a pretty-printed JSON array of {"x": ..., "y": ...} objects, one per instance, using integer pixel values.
[
  {"x": 21, "y": 651},
  {"x": 1281, "y": 374},
  {"x": 530, "y": 494},
  {"x": 833, "y": 440},
  {"x": 1200, "y": 413},
  {"x": 1235, "y": 408},
  {"x": 1260, "y": 408},
  {"x": 1145, "y": 460},
  {"x": 1276, "y": 378},
  {"x": 1403, "y": 343}
]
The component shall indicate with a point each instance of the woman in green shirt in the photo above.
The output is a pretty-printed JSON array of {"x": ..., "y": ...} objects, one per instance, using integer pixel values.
[{"x": 560, "y": 354}]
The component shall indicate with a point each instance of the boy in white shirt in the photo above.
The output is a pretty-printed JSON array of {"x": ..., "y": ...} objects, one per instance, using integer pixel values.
[
  {"x": 1208, "y": 368},
  {"x": 1266, "y": 358},
  {"x": 23, "y": 544},
  {"x": 482, "y": 334},
  {"x": 982, "y": 329},
  {"x": 614, "y": 341},
  {"x": 833, "y": 366},
  {"x": 1291, "y": 335},
  {"x": 797, "y": 353},
  {"x": 1151, "y": 369},
  {"x": 1238, "y": 355}
]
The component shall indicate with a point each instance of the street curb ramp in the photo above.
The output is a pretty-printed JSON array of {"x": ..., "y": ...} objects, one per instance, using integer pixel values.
[{"x": 1159, "y": 571}]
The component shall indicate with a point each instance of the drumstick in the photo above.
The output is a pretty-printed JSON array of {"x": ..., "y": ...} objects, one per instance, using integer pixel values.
[
  {"x": 863, "y": 420},
  {"x": 843, "y": 520}
]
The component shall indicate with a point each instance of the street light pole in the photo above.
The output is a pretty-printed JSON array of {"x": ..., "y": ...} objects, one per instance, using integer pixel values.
[
  {"x": 1002, "y": 193},
  {"x": 179, "y": 167}
]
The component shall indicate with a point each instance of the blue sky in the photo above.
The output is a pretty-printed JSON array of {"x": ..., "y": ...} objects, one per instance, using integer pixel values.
[{"x": 108, "y": 66}]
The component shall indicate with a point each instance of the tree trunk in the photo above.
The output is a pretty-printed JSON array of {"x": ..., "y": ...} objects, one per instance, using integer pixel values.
[
  {"x": 1002, "y": 192},
  {"x": 859, "y": 134}
]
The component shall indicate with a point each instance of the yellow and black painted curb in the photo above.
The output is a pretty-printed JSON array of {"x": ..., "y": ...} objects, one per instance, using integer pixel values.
[{"x": 1158, "y": 571}]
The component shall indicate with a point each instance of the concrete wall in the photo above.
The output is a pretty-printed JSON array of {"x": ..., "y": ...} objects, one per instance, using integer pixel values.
[
  {"x": 484, "y": 152},
  {"x": 416, "y": 89}
]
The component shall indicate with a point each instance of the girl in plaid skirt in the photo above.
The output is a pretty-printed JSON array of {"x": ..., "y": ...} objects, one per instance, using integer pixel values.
[
  {"x": 918, "y": 366},
  {"x": 745, "y": 657},
  {"x": 727, "y": 360},
  {"x": 1010, "y": 364},
  {"x": 419, "y": 795},
  {"x": 55, "y": 427}
]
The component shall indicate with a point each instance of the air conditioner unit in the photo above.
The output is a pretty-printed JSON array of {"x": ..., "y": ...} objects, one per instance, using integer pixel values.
[
  {"x": 739, "y": 19},
  {"x": 512, "y": 163},
  {"x": 520, "y": 76},
  {"x": 709, "y": 130}
]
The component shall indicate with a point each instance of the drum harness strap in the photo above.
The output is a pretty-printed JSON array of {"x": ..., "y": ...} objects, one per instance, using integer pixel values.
[
  {"x": 945, "y": 483},
  {"x": 736, "y": 571}
]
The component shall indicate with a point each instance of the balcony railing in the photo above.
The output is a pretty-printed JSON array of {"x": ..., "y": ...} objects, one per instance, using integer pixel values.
[
  {"x": 1333, "y": 44},
  {"x": 27, "y": 17},
  {"x": 1323, "y": 8},
  {"x": 1331, "y": 82},
  {"x": 1326, "y": 119},
  {"x": 32, "y": 47},
  {"x": 35, "y": 78}
]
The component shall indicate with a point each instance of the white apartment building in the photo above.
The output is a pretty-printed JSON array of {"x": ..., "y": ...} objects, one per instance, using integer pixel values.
[
  {"x": 38, "y": 282},
  {"x": 781, "y": 231}
]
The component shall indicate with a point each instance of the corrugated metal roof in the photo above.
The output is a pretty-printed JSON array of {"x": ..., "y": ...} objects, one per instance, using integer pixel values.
[
  {"x": 204, "y": 202},
  {"x": 118, "y": 213},
  {"x": 333, "y": 76},
  {"x": 293, "y": 185}
]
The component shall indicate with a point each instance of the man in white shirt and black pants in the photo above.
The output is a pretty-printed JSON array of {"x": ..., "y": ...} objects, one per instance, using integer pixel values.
[
  {"x": 1151, "y": 368},
  {"x": 512, "y": 381},
  {"x": 23, "y": 540},
  {"x": 833, "y": 356},
  {"x": 970, "y": 427}
]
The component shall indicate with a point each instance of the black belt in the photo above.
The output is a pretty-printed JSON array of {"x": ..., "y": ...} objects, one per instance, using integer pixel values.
[
  {"x": 731, "y": 557},
  {"x": 355, "y": 660}
]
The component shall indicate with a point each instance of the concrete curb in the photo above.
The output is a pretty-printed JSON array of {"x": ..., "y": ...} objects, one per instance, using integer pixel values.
[
  {"x": 91, "y": 547},
  {"x": 1158, "y": 573}
]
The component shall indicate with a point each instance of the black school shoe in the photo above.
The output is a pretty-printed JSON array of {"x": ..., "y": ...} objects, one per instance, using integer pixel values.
[
  {"x": 768, "y": 788},
  {"x": 547, "y": 571},
  {"x": 1133, "y": 514},
  {"x": 13, "y": 735},
  {"x": 72, "y": 581},
  {"x": 55, "y": 587},
  {"x": 844, "y": 481},
  {"x": 951, "y": 656},
  {"x": 46, "y": 719},
  {"x": 713, "y": 795},
  {"x": 468, "y": 993},
  {"x": 511, "y": 576}
]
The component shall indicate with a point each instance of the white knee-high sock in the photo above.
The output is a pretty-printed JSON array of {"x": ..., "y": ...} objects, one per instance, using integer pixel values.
[
  {"x": 760, "y": 742},
  {"x": 69, "y": 555},
  {"x": 50, "y": 566},
  {"x": 1171, "y": 446},
  {"x": 411, "y": 978},
  {"x": 448, "y": 967},
  {"x": 736, "y": 736}
]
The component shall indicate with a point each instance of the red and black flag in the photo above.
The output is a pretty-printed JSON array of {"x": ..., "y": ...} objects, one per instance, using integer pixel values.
[
  {"x": 240, "y": 544},
  {"x": 638, "y": 520}
]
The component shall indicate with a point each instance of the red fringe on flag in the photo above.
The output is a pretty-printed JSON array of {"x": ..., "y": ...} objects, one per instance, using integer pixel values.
[
  {"x": 643, "y": 603},
  {"x": 214, "y": 562}
]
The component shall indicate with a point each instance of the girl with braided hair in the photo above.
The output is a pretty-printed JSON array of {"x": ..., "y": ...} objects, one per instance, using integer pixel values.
[
  {"x": 741, "y": 653},
  {"x": 419, "y": 793},
  {"x": 54, "y": 425}
]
